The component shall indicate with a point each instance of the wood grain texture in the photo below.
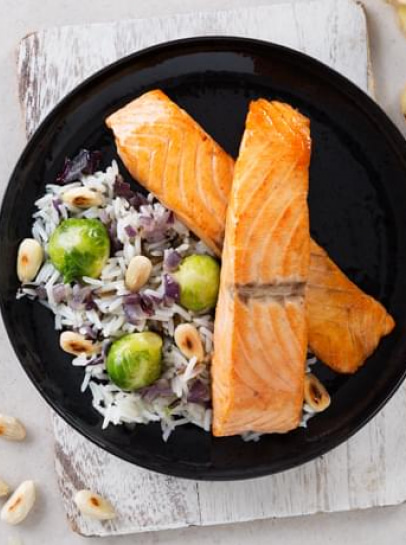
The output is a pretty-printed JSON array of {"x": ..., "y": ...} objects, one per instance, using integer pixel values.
[{"x": 366, "y": 471}]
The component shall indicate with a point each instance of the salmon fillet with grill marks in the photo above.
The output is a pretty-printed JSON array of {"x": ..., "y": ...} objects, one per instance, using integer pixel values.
[
  {"x": 346, "y": 326},
  {"x": 174, "y": 158},
  {"x": 260, "y": 334},
  {"x": 169, "y": 154}
]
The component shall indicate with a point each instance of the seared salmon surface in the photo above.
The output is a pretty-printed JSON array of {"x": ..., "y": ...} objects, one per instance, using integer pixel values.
[
  {"x": 173, "y": 157},
  {"x": 345, "y": 325},
  {"x": 260, "y": 335}
]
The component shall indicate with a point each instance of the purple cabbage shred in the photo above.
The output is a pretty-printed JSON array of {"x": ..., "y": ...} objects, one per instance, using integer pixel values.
[
  {"x": 138, "y": 306},
  {"x": 154, "y": 229},
  {"x": 41, "y": 292},
  {"x": 59, "y": 293},
  {"x": 39, "y": 289},
  {"x": 123, "y": 189},
  {"x": 199, "y": 392},
  {"x": 82, "y": 298},
  {"x": 90, "y": 333},
  {"x": 171, "y": 218},
  {"x": 129, "y": 229},
  {"x": 171, "y": 289},
  {"x": 160, "y": 388},
  {"x": 85, "y": 162},
  {"x": 172, "y": 260}
]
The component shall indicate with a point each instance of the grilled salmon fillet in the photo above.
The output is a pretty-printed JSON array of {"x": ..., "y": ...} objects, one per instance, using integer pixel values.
[
  {"x": 345, "y": 325},
  {"x": 174, "y": 158},
  {"x": 157, "y": 142},
  {"x": 260, "y": 334}
]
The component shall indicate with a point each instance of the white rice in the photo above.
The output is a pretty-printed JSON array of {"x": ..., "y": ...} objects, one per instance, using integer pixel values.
[{"x": 107, "y": 319}]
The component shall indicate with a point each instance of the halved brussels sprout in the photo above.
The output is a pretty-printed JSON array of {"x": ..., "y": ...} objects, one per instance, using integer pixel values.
[
  {"x": 198, "y": 277},
  {"x": 135, "y": 360},
  {"x": 79, "y": 247}
]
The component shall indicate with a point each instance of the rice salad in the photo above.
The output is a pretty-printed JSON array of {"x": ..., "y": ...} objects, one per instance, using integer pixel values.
[{"x": 102, "y": 309}]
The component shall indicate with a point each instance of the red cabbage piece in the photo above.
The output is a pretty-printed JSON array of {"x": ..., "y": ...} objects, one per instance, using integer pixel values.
[
  {"x": 85, "y": 162},
  {"x": 172, "y": 260},
  {"x": 138, "y": 306},
  {"x": 160, "y": 388},
  {"x": 171, "y": 289},
  {"x": 129, "y": 229},
  {"x": 41, "y": 292},
  {"x": 154, "y": 229},
  {"x": 199, "y": 392},
  {"x": 147, "y": 222},
  {"x": 59, "y": 292},
  {"x": 123, "y": 189},
  {"x": 171, "y": 218},
  {"x": 39, "y": 289},
  {"x": 90, "y": 333},
  {"x": 82, "y": 298}
]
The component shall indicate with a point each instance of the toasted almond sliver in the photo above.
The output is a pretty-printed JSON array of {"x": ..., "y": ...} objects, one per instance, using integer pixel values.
[
  {"x": 29, "y": 259},
  {"x": 82, "y": 197},
  {"x": 4, "y": 489},
  {"x": 315, "y": 394},
  {"x": 76, "y": 344},
  {"x": 11, "y": 428},
  {"x": 93, "y": 505},
  {"x": 19, "y": 504},
  {"x": 138, "y": 272},
  {"x": 188, "y": 341}
]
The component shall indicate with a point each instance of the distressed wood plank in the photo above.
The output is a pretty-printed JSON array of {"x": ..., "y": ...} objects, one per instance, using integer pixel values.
[
  {"x": 367, "y": 470},
  {"x": 154, "y": 501},
  {"x": 53, "y": 61}
]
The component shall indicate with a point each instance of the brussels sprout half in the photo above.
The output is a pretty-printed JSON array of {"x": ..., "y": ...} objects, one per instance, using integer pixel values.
[
  {"x": 135, "y": 360},
  {"x": 79, "y": 247},
  {"x": 198, "y": 277}
]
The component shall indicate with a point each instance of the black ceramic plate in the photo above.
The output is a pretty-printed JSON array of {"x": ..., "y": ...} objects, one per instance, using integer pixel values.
[{"x": 357, "y": 208}]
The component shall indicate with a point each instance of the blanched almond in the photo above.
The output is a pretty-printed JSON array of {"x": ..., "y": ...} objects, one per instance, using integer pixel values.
[
  {"x": 315, "y": 394},
  {"x": 19, "y": 504},
  {"x": 138, "y": 272},
  {"x": 76, "y": 344},
  {"x": 29, "y": 259},
  {"x": 4, "y": 489},
  {"x": 82, "y": 197},
  {"x": 11, "y": 428},
  {"x": 188, "y": 341},
  {"x": 93, "y": 505}
]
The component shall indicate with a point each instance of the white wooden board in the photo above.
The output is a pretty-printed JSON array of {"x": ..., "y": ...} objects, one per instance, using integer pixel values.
[{"x": 366, "y": 471}]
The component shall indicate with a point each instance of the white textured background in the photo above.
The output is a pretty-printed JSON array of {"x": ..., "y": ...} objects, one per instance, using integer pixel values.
[{"x": 33, "y": 459}]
